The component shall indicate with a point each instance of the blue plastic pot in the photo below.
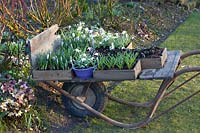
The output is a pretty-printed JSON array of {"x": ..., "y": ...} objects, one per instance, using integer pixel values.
[{"x": 84, "y": 73}]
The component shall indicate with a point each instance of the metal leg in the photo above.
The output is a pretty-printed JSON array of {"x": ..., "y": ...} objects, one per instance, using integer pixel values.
[
  {"x": 177, "y": 87},
  {"x": 176, "y": 105},
  {"x": 160, "y": 94},
  {"x": 164, "y": 86},
  {"x": 136, "y": 104},
  {"x": 84, "y": 92},
  {"x": 114, "y": 122}
]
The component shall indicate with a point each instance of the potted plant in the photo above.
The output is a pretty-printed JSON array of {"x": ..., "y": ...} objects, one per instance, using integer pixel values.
[
  {"x": 84, "y": 65},
  {"x": 153, "y": 58},
  {"x": 121, "y": 66},
  {"x": 53, "y": 65}
]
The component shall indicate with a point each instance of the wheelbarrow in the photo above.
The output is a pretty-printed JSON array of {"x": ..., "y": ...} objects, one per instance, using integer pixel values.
[{"x": 88, "y": 97}]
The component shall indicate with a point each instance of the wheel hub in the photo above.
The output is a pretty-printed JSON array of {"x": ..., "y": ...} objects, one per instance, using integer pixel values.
[{"x": 89, "y": 98}]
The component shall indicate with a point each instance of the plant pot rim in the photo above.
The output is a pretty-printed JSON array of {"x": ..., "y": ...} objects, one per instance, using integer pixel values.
[{"x": 74, "y": 68}]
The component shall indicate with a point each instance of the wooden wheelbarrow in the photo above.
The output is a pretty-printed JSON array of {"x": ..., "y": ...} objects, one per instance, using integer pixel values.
[{"x": 88, "y": 97}]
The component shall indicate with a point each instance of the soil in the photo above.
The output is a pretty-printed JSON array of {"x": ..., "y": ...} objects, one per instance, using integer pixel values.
[
  {"x": 153, "y": 52},
  {"x": 113, "y": 52}
]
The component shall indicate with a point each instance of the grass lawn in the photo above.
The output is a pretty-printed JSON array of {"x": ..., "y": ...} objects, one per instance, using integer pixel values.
[{"x": 184, "y": 118}]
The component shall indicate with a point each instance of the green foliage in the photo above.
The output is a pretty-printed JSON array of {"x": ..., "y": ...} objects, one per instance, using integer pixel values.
[
  {"x": 77, "y": 36},
  {"x": 101, "y": 62},
  {"x": 130, "y": 59},
  {"x": 110, "y": 62},
  {"x": 3, "y": 126},
  {"x": 29, "y": 121},
  {"x": 84, "y": 61},
  {"x": 98, "y": 11},
  {"x": 120, "y": 61},
  {"x": 76, "y": 41},
  {"x": 13, "y": 60}
]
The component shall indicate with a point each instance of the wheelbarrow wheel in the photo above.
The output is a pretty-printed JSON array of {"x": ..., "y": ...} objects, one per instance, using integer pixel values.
[{"x": 95, "y": 98}]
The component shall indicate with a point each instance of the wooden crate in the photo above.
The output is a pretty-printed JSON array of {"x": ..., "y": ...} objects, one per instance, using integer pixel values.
[
  {"x": 118, "y": 74},
  {"x": 52, "y": 75},
  {"x": 154, "y": 63}
]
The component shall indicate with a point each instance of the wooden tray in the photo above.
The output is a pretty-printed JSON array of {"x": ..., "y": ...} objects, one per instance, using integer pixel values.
[
  {"x": 53, "y": 75},
  {"x": 118, "y": 74},
  {"x": 154, "y": 63}
]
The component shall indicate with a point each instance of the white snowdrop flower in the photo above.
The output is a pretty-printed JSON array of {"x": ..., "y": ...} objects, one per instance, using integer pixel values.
[
  {"x": 77, "y": 50},
  {"x": 84, "y": 55},
  {"x": 84, "y": 36},
  {"x": 100, "y": 43},
  {"x": 77, "y": 38},
  {"x": 112, "y": 46},
  {"x": 73, "y": 34},
  {"x": 86, "y": 29},
  {"x": 106, "y": 38},
  {"x": 96, "y": 54},
  {"x": 90, "y": 31},
  {"x": 117, "y": 34},
  {"x": 69, "y": 26},
  {"x": 89, "y": 48},
  {"x": 53, "y": 58},
  {"x": 124, "y": 32},
  {"x": 79, "y": 28},
  {"x": 83, "y": 59},
  {"x": 102, "y": 31},
  {"x": 82, "y": 23},
  {"x": 48, "y": 56},
  {"x": 71, "y": 59},
  {"x": 109, "y": 34},
  {"x": 126, "y": 36}
]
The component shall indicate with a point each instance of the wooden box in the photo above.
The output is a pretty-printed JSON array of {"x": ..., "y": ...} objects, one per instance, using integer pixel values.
[
  {"x": 154, "y": 63},
  {"x": 118, "y": 74},
  {"x": 52, "y": 75}
]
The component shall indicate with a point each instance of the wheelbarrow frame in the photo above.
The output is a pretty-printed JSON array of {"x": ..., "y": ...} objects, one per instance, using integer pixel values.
[
  {"x": 153, "y": 105},
  {"x": 161, "y": 94}
]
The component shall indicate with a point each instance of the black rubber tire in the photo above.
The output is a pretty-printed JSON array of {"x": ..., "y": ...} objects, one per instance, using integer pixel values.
[{"x": 99, "y": 104}]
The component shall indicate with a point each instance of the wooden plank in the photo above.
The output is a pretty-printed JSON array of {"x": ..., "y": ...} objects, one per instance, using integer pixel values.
[
  {"x": 44, "y": 42},
  {"x": 167, "y": 71},
  {"x": 154, "y": 63},
  {"x": 52, "y": 75},
  {"x": 170, "y": 67},
  {"x": 118, "y": 75}
]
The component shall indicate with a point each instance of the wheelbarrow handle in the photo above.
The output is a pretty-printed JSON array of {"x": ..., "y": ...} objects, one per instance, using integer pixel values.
[{"x": 194, "y": 52}]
